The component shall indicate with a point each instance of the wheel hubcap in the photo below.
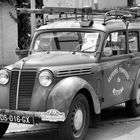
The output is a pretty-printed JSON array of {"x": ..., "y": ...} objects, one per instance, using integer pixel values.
[
  {"x": 78, "y": 119},
  {"x": 138, "y": 96}
]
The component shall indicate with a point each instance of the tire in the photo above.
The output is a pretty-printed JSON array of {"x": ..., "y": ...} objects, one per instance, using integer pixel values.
[
  {"x": 3, "y": 128},
  {"x": 133, "y": 106},
  {"x": 79, "y": 111}
]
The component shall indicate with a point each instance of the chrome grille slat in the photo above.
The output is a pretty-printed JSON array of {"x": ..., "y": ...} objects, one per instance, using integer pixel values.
[{"x": 13, "y": 89}]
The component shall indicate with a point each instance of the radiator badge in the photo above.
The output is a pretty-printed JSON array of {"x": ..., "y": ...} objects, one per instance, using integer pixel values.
[{"x": 52, "y": 115}]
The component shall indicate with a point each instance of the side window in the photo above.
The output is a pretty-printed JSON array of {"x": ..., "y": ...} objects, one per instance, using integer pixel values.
[
  {"x": 133, "y": 42},
  {"x": 115, "y": 44}
]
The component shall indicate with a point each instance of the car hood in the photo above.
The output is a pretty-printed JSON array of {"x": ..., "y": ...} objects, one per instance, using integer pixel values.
[{"x": 44, "y": 59}]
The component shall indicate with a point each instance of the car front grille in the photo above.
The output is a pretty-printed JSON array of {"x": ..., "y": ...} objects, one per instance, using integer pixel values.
[{"x": 26, "y": 84}]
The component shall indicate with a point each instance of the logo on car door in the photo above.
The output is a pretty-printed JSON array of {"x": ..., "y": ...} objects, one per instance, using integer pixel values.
[{"x": 116, "y": 79}]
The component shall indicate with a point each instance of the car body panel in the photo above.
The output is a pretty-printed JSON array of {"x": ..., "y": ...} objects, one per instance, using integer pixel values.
[
  {"x": 57, "y": 59},
  {"x": 107, "y": 80},
  {"x": 135, "y": 74},
  {"x": 118, "y": 81},
  {"x": 64, "y": 91}
]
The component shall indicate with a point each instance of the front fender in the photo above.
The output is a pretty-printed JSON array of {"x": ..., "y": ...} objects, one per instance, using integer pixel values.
[{"x": 62, "y": 94}]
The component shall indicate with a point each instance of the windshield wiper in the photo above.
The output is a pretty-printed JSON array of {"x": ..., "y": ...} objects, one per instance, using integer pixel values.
[
  {"x": 77, "y": 47},
  {"x": 90, "y": 48}
]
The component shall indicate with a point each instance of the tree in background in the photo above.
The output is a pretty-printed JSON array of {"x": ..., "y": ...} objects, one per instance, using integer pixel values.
[
  {"x": 24, "y": 23},
  {"x": 131, "y": 2},
  {"x": 24, "y": 26}
]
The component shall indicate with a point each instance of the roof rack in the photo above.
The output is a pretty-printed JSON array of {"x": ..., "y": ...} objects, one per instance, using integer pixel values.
[
  {"x": 62, "y": 11},
  {"x": 121, "y": 14},
  {"x": 135, "y": 9},
  {"x": 58, "y": 10},
  {"x": 124, "y": 15}
]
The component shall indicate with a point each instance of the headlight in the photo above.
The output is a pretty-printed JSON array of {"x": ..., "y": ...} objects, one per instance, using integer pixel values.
[
  {"x": 4, "y": 77},
  {"x": 45, "y": 78}
]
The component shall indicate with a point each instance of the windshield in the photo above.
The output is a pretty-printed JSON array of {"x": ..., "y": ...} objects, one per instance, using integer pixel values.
[{"x": 67, "y": 41}]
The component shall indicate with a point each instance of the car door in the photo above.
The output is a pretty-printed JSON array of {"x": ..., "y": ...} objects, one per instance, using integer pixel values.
[{"x": 115, "y": 63}]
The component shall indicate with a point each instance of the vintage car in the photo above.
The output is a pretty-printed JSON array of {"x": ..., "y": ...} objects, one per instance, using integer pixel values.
[{"x": 73, "y": 71}]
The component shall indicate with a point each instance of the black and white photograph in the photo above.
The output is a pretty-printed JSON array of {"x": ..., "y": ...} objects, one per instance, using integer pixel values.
[{"x": 70, "y": 70}]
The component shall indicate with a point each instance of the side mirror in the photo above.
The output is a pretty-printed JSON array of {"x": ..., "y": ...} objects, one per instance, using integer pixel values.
[{"x": 107, "y": 51}]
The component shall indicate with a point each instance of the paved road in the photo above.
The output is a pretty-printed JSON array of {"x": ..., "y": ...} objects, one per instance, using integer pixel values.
[{"x": 114, "y": 125}]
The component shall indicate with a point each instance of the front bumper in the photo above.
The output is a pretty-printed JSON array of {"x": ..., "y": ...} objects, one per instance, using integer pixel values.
[{"x": 31, "y": 117}]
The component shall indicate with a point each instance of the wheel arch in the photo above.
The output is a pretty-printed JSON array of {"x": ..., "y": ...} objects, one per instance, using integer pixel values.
[
  {"x": 132, "y": 106},
  {"x": 90, "y": 101},
  {"x": 65, "y": 90},
  {"x": 136, "y": 84}
]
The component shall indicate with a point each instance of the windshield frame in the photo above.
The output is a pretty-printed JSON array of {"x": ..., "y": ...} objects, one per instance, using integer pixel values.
[{"x": 37, "y": 33}]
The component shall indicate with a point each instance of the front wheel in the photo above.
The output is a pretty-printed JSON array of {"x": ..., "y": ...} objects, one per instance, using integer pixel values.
[
  {"x": 3, "y": 128},
  {"x": 76, "y": 125}
]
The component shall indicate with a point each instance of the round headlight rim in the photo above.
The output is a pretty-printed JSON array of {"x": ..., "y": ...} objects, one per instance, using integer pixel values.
[
  {"x": 50, "y": 72},
  {"x": 6, "y": 70}
]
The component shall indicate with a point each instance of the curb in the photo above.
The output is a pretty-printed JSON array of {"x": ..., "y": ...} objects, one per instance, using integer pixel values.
[{"x": 24, "y": 128}]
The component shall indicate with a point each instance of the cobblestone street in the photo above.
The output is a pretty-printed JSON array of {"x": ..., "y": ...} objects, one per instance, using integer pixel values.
[{"x": 114, "y": 126}]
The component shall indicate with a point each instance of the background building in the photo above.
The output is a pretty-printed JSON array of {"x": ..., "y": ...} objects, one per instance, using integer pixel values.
[
  {"x": 100, "y": 4},
  {"x": 8, "y": 34},
  {"x": 137, "y": 1}
]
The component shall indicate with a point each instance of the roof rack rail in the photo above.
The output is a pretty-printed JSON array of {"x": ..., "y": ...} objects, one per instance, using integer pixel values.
[
  {"x": 58, "y": 10},
  {"x": 120, "y": 14},
  {"x": 125, "y": 15},
  {"x": 62, "y": 11}
]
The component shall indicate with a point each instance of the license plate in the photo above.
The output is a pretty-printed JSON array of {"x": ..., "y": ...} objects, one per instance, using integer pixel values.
[{"x": 9, "y": 117}]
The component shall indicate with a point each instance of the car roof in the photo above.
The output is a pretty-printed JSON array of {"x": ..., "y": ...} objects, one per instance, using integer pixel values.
[{"x": 110, "y": 26}]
